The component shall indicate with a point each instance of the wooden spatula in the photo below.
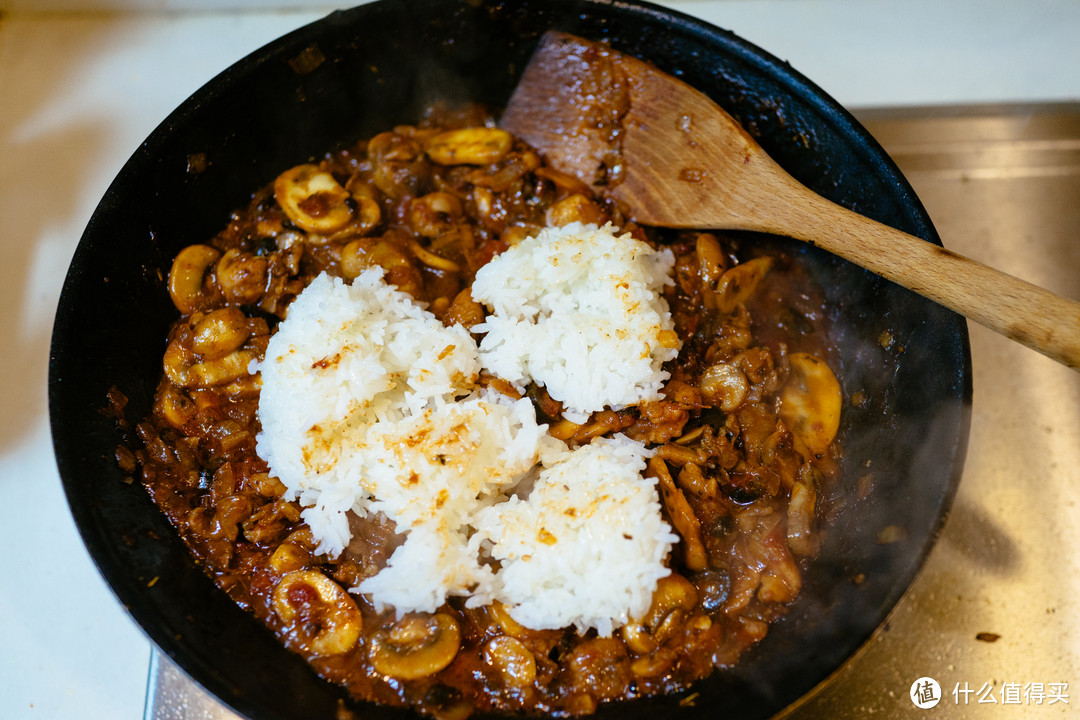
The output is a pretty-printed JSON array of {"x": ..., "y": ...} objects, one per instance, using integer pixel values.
[{"x": 676, "y": 159}]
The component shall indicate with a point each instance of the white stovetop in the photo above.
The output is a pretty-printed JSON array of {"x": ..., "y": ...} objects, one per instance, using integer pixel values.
[{"x": 81, "y": 88}]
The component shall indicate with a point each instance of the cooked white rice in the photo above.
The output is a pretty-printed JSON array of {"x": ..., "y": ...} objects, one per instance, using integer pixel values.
[
  {"x": 578, "y": 309},
  {"x": 346, "y": 357},
  {"x": 431, "y": 473},
  {"x": 586, "y": 547},
  {"x": 369, "y": 404}
]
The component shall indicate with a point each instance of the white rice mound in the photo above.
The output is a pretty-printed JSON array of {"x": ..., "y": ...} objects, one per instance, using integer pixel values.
[
  {"x": 369, "y": 404},
  {"x": 348, "y": 356},
  {"x": 579, "y": 310},
  {"x": 431, "y": 473},
  {"x": 587, "y": 547}
]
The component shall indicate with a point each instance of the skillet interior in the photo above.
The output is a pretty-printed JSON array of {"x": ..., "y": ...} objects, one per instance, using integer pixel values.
[{"x": 383, "y": 64}]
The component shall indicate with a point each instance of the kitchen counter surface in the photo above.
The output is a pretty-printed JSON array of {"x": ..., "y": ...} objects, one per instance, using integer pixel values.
[{"x": 82, "y": 89}]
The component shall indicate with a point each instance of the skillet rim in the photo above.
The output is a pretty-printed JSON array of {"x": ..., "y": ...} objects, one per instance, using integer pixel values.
[{"x": 62, "y": 354}]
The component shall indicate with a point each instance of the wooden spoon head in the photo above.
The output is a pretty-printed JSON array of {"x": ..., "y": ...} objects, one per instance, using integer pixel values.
[
  {"x": 665, "y": 150},
  {"x": 570, "y": 105}
]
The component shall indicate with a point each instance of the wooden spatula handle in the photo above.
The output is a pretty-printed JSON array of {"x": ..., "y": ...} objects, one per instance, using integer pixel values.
[
  {"x": 1017, "y": 309},
  {"x": 686, "y": 163}
]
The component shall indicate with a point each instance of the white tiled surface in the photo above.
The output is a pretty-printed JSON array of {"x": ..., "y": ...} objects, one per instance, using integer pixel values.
[{"x": 80, "y": 90}]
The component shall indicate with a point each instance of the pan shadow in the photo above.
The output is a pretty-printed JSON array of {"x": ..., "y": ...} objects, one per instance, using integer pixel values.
[{"x": 973, "y": 534}]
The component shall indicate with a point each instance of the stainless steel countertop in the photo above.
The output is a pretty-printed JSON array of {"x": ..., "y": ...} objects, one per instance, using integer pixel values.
[{"x": 1002, "y": 185}]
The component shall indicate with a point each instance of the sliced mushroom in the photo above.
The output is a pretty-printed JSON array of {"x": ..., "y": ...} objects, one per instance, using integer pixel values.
[
  {"x": 514, "y": 664},
  {"x": 267, "y": 485},
  {"x": 384, "y": 252},
  {"x": 739, "y": 283},
  {"x": 270, "y": 523},
  {"x": 368, "y": 213},
  {"x": 514, "y": 234},
  {"x": 469, "y": 146},
  {"x": 672, "y": 603},
  {"x": 601, "y": 665},
  {"x": 220, "y": 332},
  {"x": 183, "y": 369},
  {"x": 222, "y": 371},
  {"x": 432, "y": 260},
  {"x": 723, "y": 385},
  {"x": 800, "y": 516},
  {"x": 176, "y": 407},
  {"x": 242, "y": 276},
  {"x": 313, "y": 199},
  {"x": 319, "y": 612},
  {"x": 464, "y": 311},
  {"x": 574, "y": 208},
  {"x": 433, "y": 214},
  {"x": 637, "y": 638},
  {"x": 177, "y": 362},
  {"x": 655, "y": 663},
  {"x": 810, "y": 402},
  {"x": 710, "y": 259},
  {"x": 288, "y": 557},
  {"x": 674, "y": 595},
  {"x": 390, "y": 145},
  {"x": 416, "y": 646},
  {"x": 189, "y": 285}
]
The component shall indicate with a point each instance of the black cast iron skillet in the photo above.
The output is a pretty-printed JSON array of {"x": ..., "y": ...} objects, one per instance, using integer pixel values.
[{"x": 361, "y": 71}]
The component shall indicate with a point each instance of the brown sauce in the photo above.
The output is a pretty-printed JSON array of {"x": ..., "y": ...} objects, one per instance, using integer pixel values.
[{"x": 737, "y": 482}]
